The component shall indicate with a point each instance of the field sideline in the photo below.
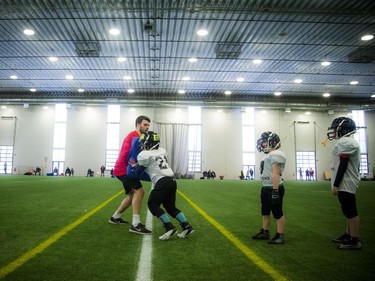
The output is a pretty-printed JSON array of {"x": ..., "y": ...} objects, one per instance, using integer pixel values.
[{"x": 56, "y": 228}]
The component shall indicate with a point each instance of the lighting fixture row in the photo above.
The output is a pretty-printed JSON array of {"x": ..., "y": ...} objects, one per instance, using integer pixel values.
[
  {"x": 240, "y": 79},
  {"x": 200, "y": 32}
]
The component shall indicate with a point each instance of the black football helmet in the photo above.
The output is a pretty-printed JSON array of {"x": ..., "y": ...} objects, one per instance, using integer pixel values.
[
  {"x": 268, "y": 140},
  {"x": 150, "y": 140},
  {"x": 341, "y": 127}
]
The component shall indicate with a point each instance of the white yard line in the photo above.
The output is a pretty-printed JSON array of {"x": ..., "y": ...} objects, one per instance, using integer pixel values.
[{"x": 145, "y": 260}]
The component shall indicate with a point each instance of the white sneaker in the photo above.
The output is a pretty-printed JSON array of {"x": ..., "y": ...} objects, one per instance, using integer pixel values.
[
  {"x": 187, "y": 230},
  {"x": 168, "y": 234}
]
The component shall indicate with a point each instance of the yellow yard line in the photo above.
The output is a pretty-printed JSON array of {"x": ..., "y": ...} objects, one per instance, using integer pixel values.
[
  {"x": 252, "y": 256},
  {"x": 44, "y": 245}
]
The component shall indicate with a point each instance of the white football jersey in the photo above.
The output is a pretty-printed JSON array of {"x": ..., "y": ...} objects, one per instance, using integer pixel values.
[
  {"x": 350, "y": 181},
  {"x": 156, "y": 163},
  {"x": 274, "y": 157}
]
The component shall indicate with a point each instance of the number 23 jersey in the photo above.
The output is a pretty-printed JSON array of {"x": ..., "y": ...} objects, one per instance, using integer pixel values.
[{"x": 156, "y": 163}]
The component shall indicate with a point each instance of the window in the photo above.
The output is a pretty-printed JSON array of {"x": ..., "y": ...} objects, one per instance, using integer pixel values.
[
  {"x": 305, "y": 161},
  {"x": 194, "y": 139},
  {"x": 59, "y": 138},
  {"x": 358, "y": 117},
  {"x": 113, "y": 135},
  {"x": 248, "y": 141},
  {"x": 6, "y": 156}
]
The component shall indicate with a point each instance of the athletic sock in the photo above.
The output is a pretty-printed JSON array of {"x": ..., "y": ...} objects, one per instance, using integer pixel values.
[
  {"x": 116, "y": 215},
  {"x": 181, "y": 217},
  {"x": 164, "y": 219},
  {"x": 136, "y": 220}
]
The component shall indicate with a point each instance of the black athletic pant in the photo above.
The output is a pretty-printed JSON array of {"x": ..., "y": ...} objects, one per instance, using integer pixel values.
[{"x": 164, "y": 193}]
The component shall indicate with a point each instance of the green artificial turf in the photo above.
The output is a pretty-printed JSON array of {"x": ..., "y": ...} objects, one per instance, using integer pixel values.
[{"x": 33, "y": 209}]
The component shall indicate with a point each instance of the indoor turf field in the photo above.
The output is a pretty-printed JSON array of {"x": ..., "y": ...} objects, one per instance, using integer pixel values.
[{"x": 56, "y": 228}]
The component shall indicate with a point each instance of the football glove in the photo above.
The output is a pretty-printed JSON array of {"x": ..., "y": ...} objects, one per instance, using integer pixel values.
[{"x": 275, "y": 197}]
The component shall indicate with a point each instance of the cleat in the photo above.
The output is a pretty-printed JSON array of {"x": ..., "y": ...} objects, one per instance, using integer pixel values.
[
  {"x": 169, "y": 231},
  {"x": 350, "y": 245},
  {"x": 262, "y": 235},
  {"x": 187, "y": 230},
  {"x": 277, "y": 239},
  {"x": 342, "y": 239},
  {"x": 140, "y": 229},
  {"x": 117, "y": 221}
]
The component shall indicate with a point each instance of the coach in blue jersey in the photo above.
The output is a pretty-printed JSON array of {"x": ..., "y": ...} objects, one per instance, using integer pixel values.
[
  {"x": 272, "y": 194},
  {"x": 345, "y": 178}
]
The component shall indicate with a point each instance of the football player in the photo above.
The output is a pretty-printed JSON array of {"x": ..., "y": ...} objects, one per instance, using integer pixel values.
[
  {"x": 153, "y": 160},
  {"x": 345, "y": 178},
  {"x": 271, "y": 170}
]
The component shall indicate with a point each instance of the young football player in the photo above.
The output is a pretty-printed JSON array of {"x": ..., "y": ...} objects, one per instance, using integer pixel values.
[
  {"x": 153, "y": 160},
  {"x": 272, "y": 194},
  {"x": 345, "y": 178}
]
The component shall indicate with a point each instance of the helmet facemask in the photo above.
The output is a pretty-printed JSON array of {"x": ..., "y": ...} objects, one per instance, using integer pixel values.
[
  {"x": 341, "y": 127},
  {"x": 268, "y": 141},
  {"x": 150, "y": 140}
]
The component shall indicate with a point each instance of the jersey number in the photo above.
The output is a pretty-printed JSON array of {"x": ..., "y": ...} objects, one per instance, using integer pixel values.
[{"x": 163, "y": 162}]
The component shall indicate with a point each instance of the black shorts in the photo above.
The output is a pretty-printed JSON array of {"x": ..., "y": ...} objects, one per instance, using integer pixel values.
[
  {"x": 267, "y": 206},
  {"x": 129, "y": 184},
  {"x": 348, "y": 204}
]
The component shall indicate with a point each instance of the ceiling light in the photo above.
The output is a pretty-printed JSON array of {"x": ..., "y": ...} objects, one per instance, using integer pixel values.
[
  {"x": 298, "y": 81},
  {"x": 133, "y": 109},
  {"x": 353, "y": 82},
  {"x": 13, "y": 77},
  {"x": 114, "y": 31},
  {"x": 367, "y": 37},
  {"x": 130, "y": 91},
  {"x": 69, "y": 77},
  {"x": 52, "y": 59},
  {"x": 287, "y": 110},
  {"x": 81, "y": 90},
  {"x": 45, "y": 107},
  {"x": 3, "y": 106},
  {"x": 181, "y": 91},
  {"x": 193, "y": 60},
  {"x": 373, "y": 96},
  {"x": 228, "y": 93},
  {"x": 127, "y": 78},
  {"x": 257, "y": 61},
  {"x": 240, "y": 79},
  {"x": 308, "y": 113},
  {"x": 325, "y": 63},
  {"x": 277, "y": 93},
  {"x": 186, "y": 78},
  {"x": 326, "y": 95},
  {"x": 32, "y": 90},
  {"x": 121, "y": 59},
  {"x": 202, "y": 32},
  {"x": 29, "y": 32}
]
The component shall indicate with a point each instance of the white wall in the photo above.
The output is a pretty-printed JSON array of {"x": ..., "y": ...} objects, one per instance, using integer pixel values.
[{"x": 221, "y": 135}]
